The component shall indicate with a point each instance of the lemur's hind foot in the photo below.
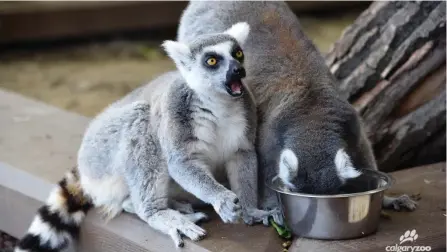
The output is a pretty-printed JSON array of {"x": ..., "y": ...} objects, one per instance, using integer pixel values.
[
  {"x": 197, "y": 217},
  {"x": 184, "y": 208},
  {"x": 402, "y": 202},
  {"x": 174, "y": 224}
]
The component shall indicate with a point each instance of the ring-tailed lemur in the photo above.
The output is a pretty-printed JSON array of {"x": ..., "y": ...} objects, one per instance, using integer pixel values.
[
  {"x": 307, "y": 134},
  {"x": 177, "y": 138}
]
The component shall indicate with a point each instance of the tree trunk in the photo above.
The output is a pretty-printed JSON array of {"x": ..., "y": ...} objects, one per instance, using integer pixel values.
[{"x": 390, "y": 65}]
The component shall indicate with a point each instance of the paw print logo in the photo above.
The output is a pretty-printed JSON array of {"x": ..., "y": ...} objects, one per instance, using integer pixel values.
[{"x": 408, "y": 236}]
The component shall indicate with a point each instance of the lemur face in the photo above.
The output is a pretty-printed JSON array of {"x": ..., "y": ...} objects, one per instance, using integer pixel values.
[
  {"x": 221, "y": 68},
  {"x": 213, "y": 63}
]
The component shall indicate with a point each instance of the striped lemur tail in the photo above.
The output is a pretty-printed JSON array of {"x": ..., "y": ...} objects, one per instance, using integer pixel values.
[{"x": 58, "y": 221}]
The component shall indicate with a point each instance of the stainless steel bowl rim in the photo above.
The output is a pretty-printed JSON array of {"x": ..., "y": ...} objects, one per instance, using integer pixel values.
[{"x": 389, "y": 182}]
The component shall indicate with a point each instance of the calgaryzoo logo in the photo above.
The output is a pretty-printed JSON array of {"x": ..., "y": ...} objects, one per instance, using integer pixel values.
[{"x": 408, "y": 236}]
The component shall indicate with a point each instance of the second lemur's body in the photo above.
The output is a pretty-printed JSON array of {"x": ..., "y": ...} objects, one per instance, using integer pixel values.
[{"x": 308, "y": 135}]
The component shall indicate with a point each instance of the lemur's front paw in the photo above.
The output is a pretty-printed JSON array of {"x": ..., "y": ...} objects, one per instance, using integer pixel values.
[
  {"x": 228, "y": 207},
  {"x": 254, "y": 215},
  {"x": 277, "y": 216}
]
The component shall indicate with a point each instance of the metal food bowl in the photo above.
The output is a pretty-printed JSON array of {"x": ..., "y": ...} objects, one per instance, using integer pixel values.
[{"x": 352, "y": 214}]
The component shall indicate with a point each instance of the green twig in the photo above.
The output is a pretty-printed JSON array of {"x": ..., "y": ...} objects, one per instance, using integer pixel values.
[{"x": 283, "y": 232}]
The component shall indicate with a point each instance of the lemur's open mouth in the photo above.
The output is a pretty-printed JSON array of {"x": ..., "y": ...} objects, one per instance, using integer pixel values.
[{"x": 235, "y": 88}]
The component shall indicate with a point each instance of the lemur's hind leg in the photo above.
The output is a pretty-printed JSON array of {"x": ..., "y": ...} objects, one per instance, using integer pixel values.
[
  {"x": 197, "y": 217},
  {"x": 187, "y": 209},
  {"x": 150, "y": 203},
  {"x": 399, "y": 203},
  {"x": 184, "y": 208},
  {"x": 146, "y": 175}
]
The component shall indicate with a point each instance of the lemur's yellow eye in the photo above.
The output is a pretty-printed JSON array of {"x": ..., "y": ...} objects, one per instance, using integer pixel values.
[
  {"x": 211, "y": 61},
  {"x": 239, "y": 54}
]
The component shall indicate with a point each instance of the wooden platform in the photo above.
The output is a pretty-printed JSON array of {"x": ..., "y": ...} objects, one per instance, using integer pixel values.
[{"x": 38, "y": 143}]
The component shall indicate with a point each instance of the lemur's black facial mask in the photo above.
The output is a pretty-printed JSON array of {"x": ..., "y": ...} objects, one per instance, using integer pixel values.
[{"x": 235, "y": 74}]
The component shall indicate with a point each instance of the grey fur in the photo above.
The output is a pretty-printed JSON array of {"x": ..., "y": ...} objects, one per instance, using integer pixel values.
[
  {"x": 160, "y": 145},
  {"x": 298, "y": 105},
  {"x": 206, "y": 40}
]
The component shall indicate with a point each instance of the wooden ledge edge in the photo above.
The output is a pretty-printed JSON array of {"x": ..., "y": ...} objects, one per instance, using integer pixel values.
[{"x": 22, "y": 193}]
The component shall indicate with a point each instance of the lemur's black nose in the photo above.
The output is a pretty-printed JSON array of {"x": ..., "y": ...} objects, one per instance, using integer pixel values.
[{"x": 239, "y": 71}]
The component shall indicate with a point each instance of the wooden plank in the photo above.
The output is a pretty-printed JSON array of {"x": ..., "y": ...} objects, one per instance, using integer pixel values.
[
  {"x": 39, "y": 139},
  {"x": 33, "y": 21},
  {"x": 42, "y": 6},
  {"x": 56, "y": 23},
  {"x": 29, "y": 6}
]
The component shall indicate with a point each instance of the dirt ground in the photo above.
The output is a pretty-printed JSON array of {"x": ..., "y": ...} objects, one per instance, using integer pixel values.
[{"x": 86, "y": 78}]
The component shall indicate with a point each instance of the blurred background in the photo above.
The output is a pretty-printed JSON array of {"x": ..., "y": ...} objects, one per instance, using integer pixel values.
[{"x": 81, "y": 56}]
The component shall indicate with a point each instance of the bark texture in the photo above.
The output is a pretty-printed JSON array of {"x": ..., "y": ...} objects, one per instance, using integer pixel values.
[{"x": 390, "y": 64}]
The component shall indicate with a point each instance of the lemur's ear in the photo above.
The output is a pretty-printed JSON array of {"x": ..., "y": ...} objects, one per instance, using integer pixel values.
[
  {"x": 239, "y": 31},
  {"x": 288, "y": 167},
  {"x": 178, "y": 52},
  {"x": 344, "y": 167}
]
